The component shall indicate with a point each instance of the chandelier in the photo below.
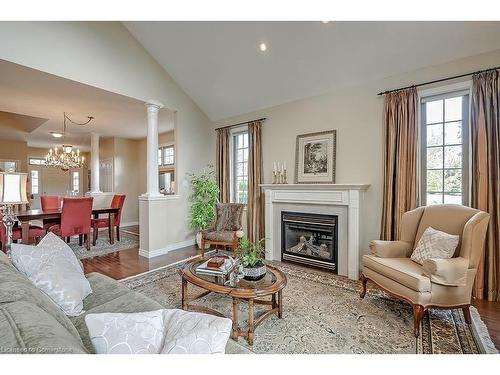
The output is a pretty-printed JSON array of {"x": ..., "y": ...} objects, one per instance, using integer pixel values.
[{"x": 67, "y": 158}]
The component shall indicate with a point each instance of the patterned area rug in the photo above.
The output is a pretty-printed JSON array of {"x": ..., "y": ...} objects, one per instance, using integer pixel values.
[
  {"x": 323, "y": 314},
  {"x": 103, "y": 247}
]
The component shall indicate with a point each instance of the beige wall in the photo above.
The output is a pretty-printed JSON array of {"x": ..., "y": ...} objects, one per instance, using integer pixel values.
[
  {"x": 167, "y": 137},
  {"x": 15, "y": 150},
  {"x": 357, "y": 115},
  {"x": 129, "y": 169},
  {"x": 126, "y": 181},
  {"x": 106, "y": 148},
  {"x": 123, "y": 154}
]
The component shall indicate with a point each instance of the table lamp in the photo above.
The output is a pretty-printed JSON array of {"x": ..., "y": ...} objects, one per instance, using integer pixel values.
[{"x": 12, "y": 192}]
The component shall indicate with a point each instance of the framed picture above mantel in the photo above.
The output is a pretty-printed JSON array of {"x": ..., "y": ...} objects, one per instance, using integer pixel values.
[{"x": 315, "y": 158}]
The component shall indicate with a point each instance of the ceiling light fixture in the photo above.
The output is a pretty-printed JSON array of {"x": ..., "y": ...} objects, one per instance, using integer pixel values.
[
  {"x": 325, "y": 21},
  {"x": 263, "y": 47},
  {"x": 68, "y": 158},
  {"x": 56, "y": 134},
  {"x": 66, "y": 117}
]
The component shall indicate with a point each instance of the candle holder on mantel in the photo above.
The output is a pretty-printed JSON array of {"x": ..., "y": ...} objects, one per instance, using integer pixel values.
[
  {"x": 279, "y": 177},
  {"x": 275, "y": 177},
  {"x": 283, "y": 176}
]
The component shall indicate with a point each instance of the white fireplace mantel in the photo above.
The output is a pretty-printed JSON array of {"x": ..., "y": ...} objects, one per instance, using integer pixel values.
[{"x": 328, "y": 197}]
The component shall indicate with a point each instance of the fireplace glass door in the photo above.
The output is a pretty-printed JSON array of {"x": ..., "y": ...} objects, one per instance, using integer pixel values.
[{"x": 310, "y": 239}]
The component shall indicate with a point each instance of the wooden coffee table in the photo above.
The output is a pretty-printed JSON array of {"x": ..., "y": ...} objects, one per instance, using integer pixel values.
[{"x": 254, "y": 292}]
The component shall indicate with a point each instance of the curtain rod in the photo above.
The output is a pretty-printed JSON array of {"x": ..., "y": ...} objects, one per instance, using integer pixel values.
[
  {"x": 438, "y": 80},
  {"x": 241, "y": 123}
]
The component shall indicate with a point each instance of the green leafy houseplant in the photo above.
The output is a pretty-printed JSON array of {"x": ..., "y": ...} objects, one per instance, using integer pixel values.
[
  {"x": 204, "y": 196},
  {"x": 250, "y": 253}
]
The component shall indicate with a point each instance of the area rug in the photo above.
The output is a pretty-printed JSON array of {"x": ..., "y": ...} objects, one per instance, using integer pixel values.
[
  {"x": 103, "y": 247},
  {"x": 323, "y": 314}
]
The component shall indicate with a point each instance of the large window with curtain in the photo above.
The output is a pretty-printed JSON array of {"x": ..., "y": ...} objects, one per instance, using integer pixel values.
[
  {"x": 239, "y": 174},
  {"x": 444, "y": 148}
]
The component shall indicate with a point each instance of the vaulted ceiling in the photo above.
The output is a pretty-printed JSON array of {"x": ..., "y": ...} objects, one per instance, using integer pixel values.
[{"x": 219, "y": 64}]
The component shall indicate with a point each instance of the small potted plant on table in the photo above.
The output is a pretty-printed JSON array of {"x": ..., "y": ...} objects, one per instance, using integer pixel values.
[{"x": 251, "y": 255}]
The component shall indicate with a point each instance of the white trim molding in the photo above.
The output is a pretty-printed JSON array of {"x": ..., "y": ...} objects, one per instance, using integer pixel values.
[
  {"x": 129, "y": 224},
  {"x": 445, "y": 89},
  {"x": 160, "y": 197},
  {"x": 167, "y": 249},
  {"x": 344, "y": 200}
]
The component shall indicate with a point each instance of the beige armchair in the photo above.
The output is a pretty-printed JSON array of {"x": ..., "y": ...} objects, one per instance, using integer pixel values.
[{"x": 438, "y": 283}]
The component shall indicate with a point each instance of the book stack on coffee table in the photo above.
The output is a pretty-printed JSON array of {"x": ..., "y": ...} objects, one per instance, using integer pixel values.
[{"x": 216, "y": 266}]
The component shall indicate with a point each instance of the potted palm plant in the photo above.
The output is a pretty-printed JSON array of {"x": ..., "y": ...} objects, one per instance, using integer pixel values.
[
  {"x": 204, "y": 196},
  {"x": 251, "y": 255}
]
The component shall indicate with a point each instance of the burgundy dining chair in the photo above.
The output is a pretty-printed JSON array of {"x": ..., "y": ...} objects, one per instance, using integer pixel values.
[
  {"x": 49, "y": 203},
  {"x": 34, "y": 231},
  {"x": 117, "y": 202},
  {"x": 75, "y": 220}
]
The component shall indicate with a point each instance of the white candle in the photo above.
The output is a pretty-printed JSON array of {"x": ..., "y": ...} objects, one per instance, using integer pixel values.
[
  {"x": 284, "y": 165},
  {"x": 274, "y": 168}
]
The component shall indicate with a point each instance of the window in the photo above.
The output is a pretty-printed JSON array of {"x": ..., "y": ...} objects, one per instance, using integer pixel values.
[
  {"x": 166, "y": 155},
  {"x": 37, "y": 161},
  {"x": 34, "y": 182},
  {"x": 8, "y": 165},
  {"x": 240, "y": 167},
  {"x": 445, "y": 148},
  {"x": 167, "y": 183},
  {"x": 75, "y": 181}
]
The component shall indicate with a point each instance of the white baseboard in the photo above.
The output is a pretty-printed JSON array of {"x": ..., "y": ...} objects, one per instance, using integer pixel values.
[
  {"x": 166, "y": 249},
  {"x": 122, "y": 225},
  {"x": 129, "y": 224}
]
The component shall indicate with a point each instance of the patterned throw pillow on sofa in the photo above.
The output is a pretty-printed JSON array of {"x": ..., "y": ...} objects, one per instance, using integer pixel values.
[
  {"x": 434, "y": 244},
  {"x": 54, "y": 269},
  {"x": 166, "y": 331},
  {"x": 126, "y": 333}
]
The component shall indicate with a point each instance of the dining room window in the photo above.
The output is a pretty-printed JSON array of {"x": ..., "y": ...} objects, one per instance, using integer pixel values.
[
  {"x": 36, "y": 161},
  {"x": 34, "y": 182},
  {"x": 166, "y": 155},
  {"x": 75, "y": 181},
  {"x": 444, "y": 148}
]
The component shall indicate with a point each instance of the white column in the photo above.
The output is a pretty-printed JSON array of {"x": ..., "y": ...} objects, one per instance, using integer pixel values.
[
  {"x": 94, "y": 163},
  {"x": 153, "y": 186}
]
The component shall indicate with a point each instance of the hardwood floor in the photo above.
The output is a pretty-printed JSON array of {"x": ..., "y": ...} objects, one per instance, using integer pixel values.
[
  {"x": 132, "y": 229},
  {"x": 128, "y": 263},
  {"x": 490, "y": 314}
]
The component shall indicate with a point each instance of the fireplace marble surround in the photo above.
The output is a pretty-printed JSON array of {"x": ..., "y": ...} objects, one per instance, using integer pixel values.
[{"x": 344, "y": 200}]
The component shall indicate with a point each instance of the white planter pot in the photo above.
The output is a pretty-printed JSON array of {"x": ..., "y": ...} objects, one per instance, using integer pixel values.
[{"x": 198, "y": 241}]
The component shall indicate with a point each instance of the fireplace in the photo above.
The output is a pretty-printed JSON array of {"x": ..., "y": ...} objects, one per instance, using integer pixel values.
[{"x": 310, "y": 239}]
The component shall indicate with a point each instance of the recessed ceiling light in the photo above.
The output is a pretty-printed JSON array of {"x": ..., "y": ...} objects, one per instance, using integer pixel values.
[
  {"x": 56, "y": 134},
  {"x": 325, "y": 21},
  {"x": 263, "y": 47}
]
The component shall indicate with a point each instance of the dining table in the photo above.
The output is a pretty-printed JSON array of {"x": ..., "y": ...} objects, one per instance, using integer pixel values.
[{"x": 26, "y": 216}]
